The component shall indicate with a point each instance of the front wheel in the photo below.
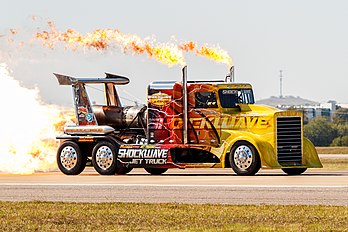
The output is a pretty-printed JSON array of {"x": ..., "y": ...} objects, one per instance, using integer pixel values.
[
  {"x": 244, "y": 159},
  {"x": 104, "y": 158},
  {"x": 69, "y": 158},
  {"x": 156, "y": 171},
  {"x": 294, "y": 171}
]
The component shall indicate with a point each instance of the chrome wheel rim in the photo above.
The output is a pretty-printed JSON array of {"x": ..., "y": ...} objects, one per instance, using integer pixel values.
[
  {"x": 243, "y": 157},
  {"x": 104, "y": 157},
  {"x": 68, "y": 157}
]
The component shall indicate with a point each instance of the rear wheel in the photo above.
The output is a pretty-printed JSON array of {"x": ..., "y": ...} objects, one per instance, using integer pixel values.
[
  {"x": 104, "y": 158},
  {"x": 244, "y": 159},
  {"x": 294, "y": 171},
  {"x": 156, "y": 171},
  {"x": 69, "y": 158}
]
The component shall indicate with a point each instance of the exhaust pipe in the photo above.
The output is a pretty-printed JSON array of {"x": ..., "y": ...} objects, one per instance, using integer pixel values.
[
  {"x": 184, "y": 104},
  {"x": 230, "y": 76}
]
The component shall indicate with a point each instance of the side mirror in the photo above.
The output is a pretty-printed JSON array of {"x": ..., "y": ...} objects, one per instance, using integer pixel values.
[{"x": 243, "y": 107}]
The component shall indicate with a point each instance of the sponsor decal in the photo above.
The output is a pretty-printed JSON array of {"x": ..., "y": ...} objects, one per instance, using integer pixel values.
[
  {"x": 89, "y": 117},
  {"x": 86, "y": 139},
  {"x": 159, "y": 99},
  {"x": 224, "y": 123},
  {"x": 144, "y": 156},
  {"x": 229, "y": 91},
  {"x": 82, "y": 111}
]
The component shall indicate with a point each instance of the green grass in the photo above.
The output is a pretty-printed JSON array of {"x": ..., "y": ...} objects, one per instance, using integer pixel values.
[
  {"x": 49, "y": 216},
  {"x": 330, "y": 163},
  {"x": 332, "y": 150},
  {"x": 333, "y": 163}
]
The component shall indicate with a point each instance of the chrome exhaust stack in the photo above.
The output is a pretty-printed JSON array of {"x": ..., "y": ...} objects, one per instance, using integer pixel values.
[
  {"x": 185, "y": 104},
  {"x": 230, "y": 75}
]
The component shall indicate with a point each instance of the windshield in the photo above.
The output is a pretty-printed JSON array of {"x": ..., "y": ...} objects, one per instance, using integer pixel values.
[{"x": 230, "y": 97}]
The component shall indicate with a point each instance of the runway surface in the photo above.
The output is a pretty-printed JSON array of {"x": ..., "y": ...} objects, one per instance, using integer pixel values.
[{"x": 222, "y": 186}]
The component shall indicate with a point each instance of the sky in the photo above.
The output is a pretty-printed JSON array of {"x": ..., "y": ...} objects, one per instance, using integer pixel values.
[{"x": 308, "y": 40}]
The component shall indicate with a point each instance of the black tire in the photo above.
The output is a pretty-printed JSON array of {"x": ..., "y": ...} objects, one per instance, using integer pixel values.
[
  {"x": 294, "y": 171},
  {"x": 123, "y": 170},
  {"x": 104, "y": 158},
  {"x": 156, "y": 171},
  {"x": 244, "y": 159},
  {"x": 69, "y": 158}
]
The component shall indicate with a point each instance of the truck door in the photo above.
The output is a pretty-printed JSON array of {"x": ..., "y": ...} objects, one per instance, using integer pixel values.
[{"x": 204, "y": 115}]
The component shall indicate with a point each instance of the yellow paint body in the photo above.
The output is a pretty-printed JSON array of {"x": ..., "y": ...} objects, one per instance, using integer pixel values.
[{"x": 253, "y": 123}]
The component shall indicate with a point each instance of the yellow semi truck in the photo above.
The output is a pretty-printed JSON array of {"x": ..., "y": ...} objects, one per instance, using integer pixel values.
[{"x": 184, "y": 124}]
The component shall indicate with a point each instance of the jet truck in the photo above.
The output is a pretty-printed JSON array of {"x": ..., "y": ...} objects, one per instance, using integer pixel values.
[{"x": 185, "y": 123}]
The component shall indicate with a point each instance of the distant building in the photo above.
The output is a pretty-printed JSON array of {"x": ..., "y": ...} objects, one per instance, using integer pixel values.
[
  {"x": 310, "y": 109},
  {"x": 287, "y": 101}
]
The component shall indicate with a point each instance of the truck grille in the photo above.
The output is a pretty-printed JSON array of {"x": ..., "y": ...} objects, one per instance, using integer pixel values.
[{"x": 289, "y": 140}]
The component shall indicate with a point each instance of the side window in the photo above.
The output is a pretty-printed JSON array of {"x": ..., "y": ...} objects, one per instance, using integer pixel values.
[
  {"x": 229, "y": 98},
  {"x": 205, "y": 100}
]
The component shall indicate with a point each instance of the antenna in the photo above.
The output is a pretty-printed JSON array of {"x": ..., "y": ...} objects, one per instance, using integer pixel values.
[{"x": 281, "y": 83}]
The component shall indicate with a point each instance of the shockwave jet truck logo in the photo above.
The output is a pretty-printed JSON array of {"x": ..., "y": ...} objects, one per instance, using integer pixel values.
[{"x": 143, "y": 156}]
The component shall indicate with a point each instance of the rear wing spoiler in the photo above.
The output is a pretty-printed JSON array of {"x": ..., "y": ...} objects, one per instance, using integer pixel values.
[
  {"x": 83, "y": 107},
  {"x": 110, "y": 78}
]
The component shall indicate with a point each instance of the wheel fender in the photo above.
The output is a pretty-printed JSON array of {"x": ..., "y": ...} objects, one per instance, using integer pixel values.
[
  {"x": 310, "y": 155},
  {"x": 263, "y": 148}
]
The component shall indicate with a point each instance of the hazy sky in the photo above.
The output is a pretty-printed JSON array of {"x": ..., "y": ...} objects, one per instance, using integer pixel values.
[{"x": 307, "y": 39}]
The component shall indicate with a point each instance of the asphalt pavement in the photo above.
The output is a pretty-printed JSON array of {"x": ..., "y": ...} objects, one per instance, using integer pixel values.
[{"x": 221, "y": 186}]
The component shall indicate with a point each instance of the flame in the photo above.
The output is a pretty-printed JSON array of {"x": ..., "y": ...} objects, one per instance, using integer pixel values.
[
  {"x": 216, "y": 54},
  {"x": 28, "y": 128},
  {"x": 170, "y": 53},
  {"x": 102, "y": 39},
  {"x": 213, "y": 53},
  {"x": 187, "y": 46}
]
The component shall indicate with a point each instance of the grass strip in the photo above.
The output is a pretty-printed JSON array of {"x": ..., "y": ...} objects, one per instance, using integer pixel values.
[
  {"x": 332, "y": 150},
  {"x": 49, "y": 216},
  {"x": 336, "y": 164}
]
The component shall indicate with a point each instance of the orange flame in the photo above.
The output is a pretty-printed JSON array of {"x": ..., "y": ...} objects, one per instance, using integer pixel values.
[
  {"x": 170, "y": 53},
  {"x": 213, "y": 53},
  {"x": 187, "y": 46},
  {"x": 102, "y": 39}
]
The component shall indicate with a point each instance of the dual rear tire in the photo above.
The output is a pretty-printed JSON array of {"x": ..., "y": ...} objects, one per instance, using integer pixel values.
[{"x": 71, "y": 161}]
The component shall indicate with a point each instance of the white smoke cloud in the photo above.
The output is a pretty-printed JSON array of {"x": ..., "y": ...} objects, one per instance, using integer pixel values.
[{"x": 27, "y": 132}]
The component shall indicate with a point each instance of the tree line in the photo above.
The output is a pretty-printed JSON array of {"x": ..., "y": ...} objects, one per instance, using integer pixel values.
[{"x": 325, "y": 132}]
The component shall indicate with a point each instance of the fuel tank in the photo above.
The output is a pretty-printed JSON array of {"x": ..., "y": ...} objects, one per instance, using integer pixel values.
[{"x": 121, "y": 117}]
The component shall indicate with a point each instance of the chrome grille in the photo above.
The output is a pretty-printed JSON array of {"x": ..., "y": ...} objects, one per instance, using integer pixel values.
[{"x": 289, "y": 140}]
